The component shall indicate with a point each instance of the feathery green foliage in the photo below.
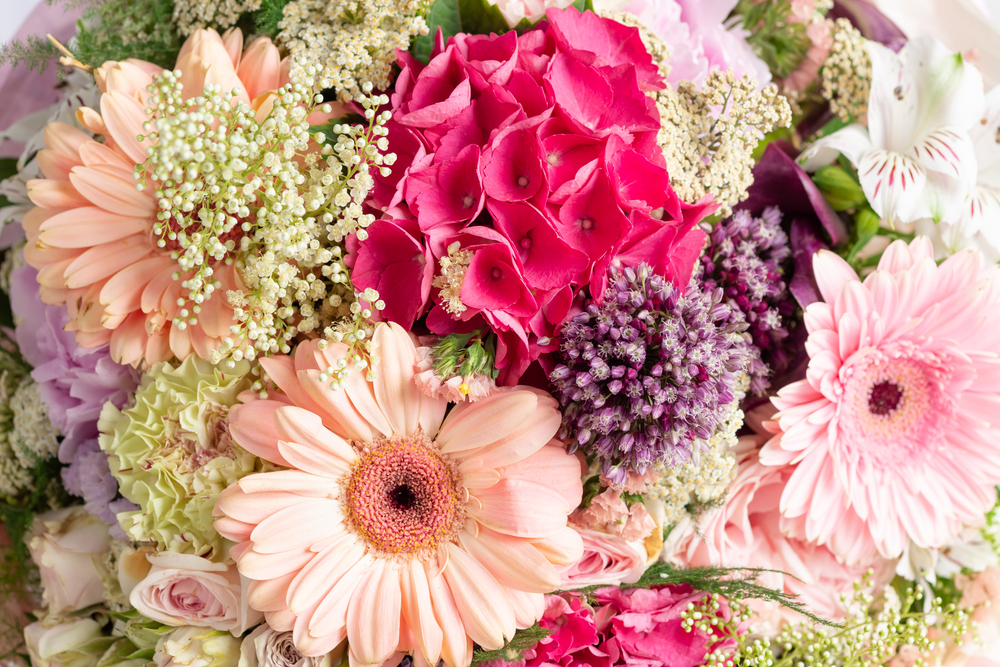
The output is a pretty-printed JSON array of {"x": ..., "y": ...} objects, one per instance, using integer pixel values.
[
  {"x": 522, "y": 641},
  {"x": 269, "y": 16},
  {"x": 774, "y": 37}
]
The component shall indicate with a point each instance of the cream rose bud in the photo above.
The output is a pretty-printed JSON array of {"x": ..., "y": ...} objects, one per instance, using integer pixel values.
[
  {"x": 69, "y": 546},
  {"x": 184, "y": 589},
  {"x": 77, "y": 642},
  {"x": 197, "y": 647},
  {"x": 266, "y": 647}
]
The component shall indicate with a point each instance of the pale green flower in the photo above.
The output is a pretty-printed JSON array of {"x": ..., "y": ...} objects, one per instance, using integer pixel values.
[
  {"x": 189, "y": 646},
  {"x": 172, "y": 454}
]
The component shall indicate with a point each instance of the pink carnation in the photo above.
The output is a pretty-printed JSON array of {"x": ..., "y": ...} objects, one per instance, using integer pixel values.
[
  {"x": 574, "y": 640},
  {"x": 645, "y": 625},
  {"x": 537, "y": 156},
  {"x": 456, "y": 389}
]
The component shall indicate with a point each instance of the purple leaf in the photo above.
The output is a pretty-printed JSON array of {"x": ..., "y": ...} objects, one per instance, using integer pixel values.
[
  {"x": 778, "y": 181},
  {"x": 872, "y": 23},
  {"x": 805, "y": 243}
]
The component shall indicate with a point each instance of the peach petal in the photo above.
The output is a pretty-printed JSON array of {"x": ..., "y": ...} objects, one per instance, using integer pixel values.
[
  {"x": 234, "y": 530},
  {"x": 524, "y": 441},
  {"x": 397, "y": 395},
  {"x": 519, "y": 508},
  {"x": 282, "y": 620},
  {"x": 254, "y": 429},
  {"x": 512, "y": 561},
  {"x": 270, "y": 595},
  {"x": 232, "y": 40},
  {"x": 112, "y": 192},
  {"x": 55, "y": 194},
  {"x": 330, "y": 617},
  {"x": 317, "y": 579},
  {"x": 260, "y": 68},
  {"x": 486, "y": 421},
  {"x": 335, "y": 406},
  {"x": 373, "y": 615},
  {"x": 456, "y": 647},
  {"x": 158, "y": 348},
  {"x": 128, "y": 341},
  {"x": 305, "y": 428},
  {"x": 554, "y": 467},
  {"x": 253, "y": 508},
  {"x": 91, "y": 120},
  {"x": 528, "y": 607},
  {"x": 64, "y": 138},
  {"x": 123, "y": 292},
  {"x": 88, "y": 226},
  {"x": 94, "y": 154},
  {"x": 55, "y": 165},
  {"x": 125, "y": 78},
  {"x": 418, "y": 611},
  {"x": 32, "y": 224},
  {"x": 103, "y": 261},
  {"x": 292, "y": 481},
  {"x": 485, "y": 611},
  {"x": 124, "y": 116},
  {"x": 281, "y": 370},
  {"x": 261, "y": 567},
  {"x": 180, "y": 342},
  {"x": 152, "y": 295}
]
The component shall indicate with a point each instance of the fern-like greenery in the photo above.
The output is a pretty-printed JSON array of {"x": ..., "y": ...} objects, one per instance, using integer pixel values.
[
  {"x": 269, "y": 16},
  {"x": 774, "y": 37},
  {"x": 36, "y": 53},
  {"x": 522, "y": 641}
]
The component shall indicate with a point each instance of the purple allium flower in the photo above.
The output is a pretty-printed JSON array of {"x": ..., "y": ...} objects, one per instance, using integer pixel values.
[
  {"x": 744, "y": 257},
  {"x": 89, "y": 476},
  {"x": 73, "y": 381},
  {"x": 648, "y": 371}
]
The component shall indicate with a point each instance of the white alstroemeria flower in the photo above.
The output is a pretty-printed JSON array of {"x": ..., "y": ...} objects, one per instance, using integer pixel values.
[
  {"x": 978, "y": 225},
  {"x": 915, "y": 160}
]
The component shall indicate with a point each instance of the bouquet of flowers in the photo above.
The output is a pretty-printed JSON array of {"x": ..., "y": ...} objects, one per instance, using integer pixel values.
[{"x": 519, "y": 333}]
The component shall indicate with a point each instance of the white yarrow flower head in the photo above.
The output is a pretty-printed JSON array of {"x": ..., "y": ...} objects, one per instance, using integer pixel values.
[{"x": 916, "y": 158}]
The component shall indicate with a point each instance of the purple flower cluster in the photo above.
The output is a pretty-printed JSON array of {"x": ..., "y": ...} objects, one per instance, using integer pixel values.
[
  {"x": 744, "y": 257},
  {"x": 73, "y": 381},
  {"x": 648, "y": 371},
  {"x": 89, "y": 477}
]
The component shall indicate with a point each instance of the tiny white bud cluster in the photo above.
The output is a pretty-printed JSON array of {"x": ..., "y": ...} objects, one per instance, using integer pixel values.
[{"x": 263, "y": 192}]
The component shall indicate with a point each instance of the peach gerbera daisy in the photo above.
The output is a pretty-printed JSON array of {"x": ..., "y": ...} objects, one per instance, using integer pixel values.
[
  {"x": 396, "y": 527},
  {"x": 893, "y": 434},
  {"x": 91, "y": 235}
]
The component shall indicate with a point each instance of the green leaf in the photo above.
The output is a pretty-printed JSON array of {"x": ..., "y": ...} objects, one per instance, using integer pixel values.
[
  {"x": 444, "y": 14},
  {"x": 583, "y": 5},
  {"x": 8, "y": 167},
  {"x": 515, "y": 648},
  {"x": 269, "y": 16},
  {"x": 478, "y": 17}
]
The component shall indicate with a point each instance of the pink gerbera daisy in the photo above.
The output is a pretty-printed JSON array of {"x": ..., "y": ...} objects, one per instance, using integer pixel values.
[
  {"x": 396, "y": 527},
  {"x": 893, "y": 434},
  {"x": 91, "y": 235}
]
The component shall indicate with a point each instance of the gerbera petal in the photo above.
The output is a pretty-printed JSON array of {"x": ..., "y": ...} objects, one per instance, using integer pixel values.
[
  {"x": 486, "y": 612},
  {"x": 520, "y": 508},
  {"x": 269, "y": 595},
  {"x": 112, "y": 192},
  {"x": 305, "y": 428},
  {"x": 124, "y": 116},
  {"x": 55, "y": 194},
  {"x": 456, "y": 645},
  {"x": 337, "y": 406},
  {"x": 317, "y": 579},
  {"x": 487, "y": 421},
  {"x": 260, "y": 567},
  {"x": 373, "y": 615},
  {"x": 88, "y": 226},
  {"x": 512, "y": 561},
  {"x": 418, "y": 610},
  {"x": 293, "y": 481},
  {"x": 295, "y": 528},
  {"x": 254, "y": 429},
  {"x": 563, "y": 548},
  {"x": 396, "y": 393}
]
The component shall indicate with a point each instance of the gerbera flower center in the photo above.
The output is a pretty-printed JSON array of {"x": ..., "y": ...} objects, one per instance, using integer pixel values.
[
  {"x": 403, "y": 497},
  {"x": 884, "y": 398},
  {"x": 893, "y": 405}
]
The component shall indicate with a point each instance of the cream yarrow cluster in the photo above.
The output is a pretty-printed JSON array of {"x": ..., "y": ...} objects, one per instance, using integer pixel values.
[
  {"x": 32, "y": 435},
  {"x": 453, "y": 268},
  {"x": 172, "y": 453},
  {"x": 262, "y": 191},
  {"x": 847, "y": 72},
  {"x": 688, "y": 486},
  {"x": 350, "y": 42},
  {"x": 879, "y": 622},
  {"x": 189, "y": 15},
  {"x": 708, "y": 135}
]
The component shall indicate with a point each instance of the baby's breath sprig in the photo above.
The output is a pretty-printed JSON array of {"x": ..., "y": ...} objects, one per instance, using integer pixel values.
[
  {"x": 876, "y": 627},
  {"x": 257, "y": 190}
]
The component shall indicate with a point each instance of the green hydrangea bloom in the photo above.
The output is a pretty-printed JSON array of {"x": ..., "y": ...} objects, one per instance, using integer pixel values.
[{"x": 172, "y": 454}]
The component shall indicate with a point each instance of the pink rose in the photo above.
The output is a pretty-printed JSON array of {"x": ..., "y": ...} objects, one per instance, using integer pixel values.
[
  {"x": 646, "y": 626},
  {"x": 184, "y": 589},
  {"x": 607, "y": 559},
  {"x": 69, "y": 545}
]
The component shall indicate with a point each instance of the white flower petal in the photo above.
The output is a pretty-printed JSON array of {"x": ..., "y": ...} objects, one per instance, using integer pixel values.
[
  {"x": 950, "y": 89},
  {"x": 894, "y": 185},
  {"x": 852, "y": 141},
  {"x": 893, "y": 104}
]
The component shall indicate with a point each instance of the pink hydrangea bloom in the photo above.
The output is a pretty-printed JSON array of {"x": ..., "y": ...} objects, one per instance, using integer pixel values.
[
  {"x": 536, "y": 155},
  {"x": 574, "y": 640},
  {"x": 699, "y": 40},
  {"x": 892, "y": 435}
]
